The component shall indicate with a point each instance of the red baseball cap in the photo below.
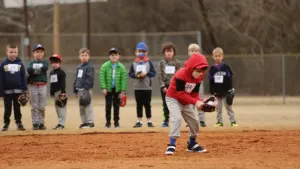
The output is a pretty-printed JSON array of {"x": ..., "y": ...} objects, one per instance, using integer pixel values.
[{"x": 57, "y": 56}]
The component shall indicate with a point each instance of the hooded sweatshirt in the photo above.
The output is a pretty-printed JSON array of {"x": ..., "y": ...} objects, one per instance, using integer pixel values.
[
  {"x": 12, "y": 77},
  {"x": 184, "y": 88}
]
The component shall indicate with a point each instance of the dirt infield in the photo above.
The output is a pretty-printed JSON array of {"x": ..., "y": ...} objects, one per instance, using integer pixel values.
[{"x": 268, "y": 136}]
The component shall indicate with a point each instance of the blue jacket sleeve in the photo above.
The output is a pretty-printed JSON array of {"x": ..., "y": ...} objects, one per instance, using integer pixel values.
[
  {"x": 152, "y": 71},
  {"x": 24, "y": 78},
  {"x": 1, "y": 81},
  {"x": 131, "y": 72},
  {"x": 89, "y": 83}
]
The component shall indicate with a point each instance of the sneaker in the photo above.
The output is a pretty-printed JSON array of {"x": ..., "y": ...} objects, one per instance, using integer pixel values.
[
  {"x": 165, "y": 124},
  {"x": 91, "y": 125},
  {"x": 42, "y": 127},
  {"x": 107, "y": 125},
  {"x": 150, "y": 124},
  {"x": 233, "y": 124},
  {"x": 84, "y": 126},
  {"x": 35, "y": 127},
  {"x": 138, "y": 124},
  {"x": 20, "y": 127},
  {"x": 117, "y": 125},
  {"x": 5, "y": 127},
  {"x": 170, "y": 149},
  {"x": 59, "y": 127},
  {"x": 219, "y": 124},
  {"x": 195, "y": 148},
  {"x": 202, "y": 124}
]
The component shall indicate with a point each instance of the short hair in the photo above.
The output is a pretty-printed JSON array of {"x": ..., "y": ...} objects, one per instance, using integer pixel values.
[
  {"x": 194, "y": 46},
  {"x": 218, "y": 49},
  {"x": 14, "y": 46},
  {"x": 84, "y": 50},
  {"x": 168, "y": 46}
]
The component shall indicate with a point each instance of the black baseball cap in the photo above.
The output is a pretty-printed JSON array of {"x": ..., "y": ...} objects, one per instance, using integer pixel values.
[
  {"x": 113, "y": 50},
  {"x": 37, "y": 46}
]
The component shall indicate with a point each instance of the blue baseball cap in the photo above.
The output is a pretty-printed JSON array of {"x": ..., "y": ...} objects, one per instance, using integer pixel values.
[
  {"x": 37, "y": 46},
  {"x": 142, "y": 46}
]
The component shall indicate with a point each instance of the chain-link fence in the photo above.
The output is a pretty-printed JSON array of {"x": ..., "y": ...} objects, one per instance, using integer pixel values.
[{"x": 259, "y": 75}]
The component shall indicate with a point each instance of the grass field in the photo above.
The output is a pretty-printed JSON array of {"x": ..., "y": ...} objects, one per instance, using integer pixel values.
[{"x": 268, "y": 136}]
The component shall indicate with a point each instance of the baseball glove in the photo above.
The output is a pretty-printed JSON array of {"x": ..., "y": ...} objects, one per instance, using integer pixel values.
[
  {"x": 209, "y": 105},
  {"x": 85, "y": 98},
  {"x": 23, "y": 99},
  {"x": 138, "y": 74},
  {"x": 61, "y": 100},
  {"x": 123, "y": 99},
  {"x": 230, "y": 96}
]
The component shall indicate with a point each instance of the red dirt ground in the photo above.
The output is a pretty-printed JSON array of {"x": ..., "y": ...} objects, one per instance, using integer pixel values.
[{"x": 259, "y": 149}]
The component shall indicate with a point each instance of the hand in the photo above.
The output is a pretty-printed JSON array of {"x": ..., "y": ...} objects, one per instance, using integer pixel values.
[
  {"x": 199, "y": 104},
  {"x": 164, "y": 89},
  {"x": 104, "y": 91},
  {"x": 143, "y": 74}
]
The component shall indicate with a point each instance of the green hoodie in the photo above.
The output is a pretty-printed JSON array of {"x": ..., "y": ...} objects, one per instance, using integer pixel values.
[
  {"x": 37, "y": 71},
  {"x": 106, "y": 77}
]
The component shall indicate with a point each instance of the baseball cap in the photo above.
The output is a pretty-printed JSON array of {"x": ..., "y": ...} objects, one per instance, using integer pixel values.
[
  {"x": 56, "y": 56},
  {"x": 142, "y": 46},
  {"x": 37, "y": 46},
  {"x": 113, "y": 50}
]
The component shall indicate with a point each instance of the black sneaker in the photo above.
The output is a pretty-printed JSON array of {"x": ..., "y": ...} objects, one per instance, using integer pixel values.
[
  {"x": 117, "y": 125},
  {"x": 138, "y": 124},
  {"x": 195, "y": 148},
  {"x": 91, "y": 125},
  {"x": 170, "y": 149},
  {"x": 84, "y": 126},
  {"x": 202, "y": 124},
  {"x": 42, "y": 127},
  {"x": 35, "y": 127},
  {"x": 5, "y": 127},
  {"x": 107, "y": 125},
  {"x": 150, "y": 124},
  {"x": 20, "y": 127},
  {"x": 59, "y": 127}
]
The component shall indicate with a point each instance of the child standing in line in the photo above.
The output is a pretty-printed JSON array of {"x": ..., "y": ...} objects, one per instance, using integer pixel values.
[
  {"x": 57, "y": 88},
  {"x": 37, "y": 70},
  {"x": 142, "y": 70},
  {"x": 182, "y": 97},
  {"x": 113, "y": 81},
  {"x": 12, "y": 85},
  {"x": 220, "y": 77},
  {"x": 194, "y": 48},
  {"x": 166, "y": 69},
  {"x": 84, "y": 82}
]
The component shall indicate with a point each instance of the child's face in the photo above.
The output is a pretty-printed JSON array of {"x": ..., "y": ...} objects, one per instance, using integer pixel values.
[
  {"x": 55, "y": 65},
  {"x": 191, "y": 52},
  {"x": 218, "y": 57},
  {"x": 114, "y": 57},
  {"x": 169, "y": 53},
  {"x": 12, "y": 53},
  {"x": 197, "y": 73},
  {"x": 84, "y": 57},
  {"x": 141, "y": 52},
  {"x": 38, "y": 54}
]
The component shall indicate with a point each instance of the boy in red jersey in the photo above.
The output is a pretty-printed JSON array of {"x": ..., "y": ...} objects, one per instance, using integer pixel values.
[{"x": 181, "y": 97}]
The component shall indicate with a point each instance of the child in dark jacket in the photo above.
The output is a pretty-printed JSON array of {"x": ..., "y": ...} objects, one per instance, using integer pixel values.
[
  {"x": 12, "y": 84},
  {"x": 220, "y": 77},
  {"x": 85, "y": 82}
]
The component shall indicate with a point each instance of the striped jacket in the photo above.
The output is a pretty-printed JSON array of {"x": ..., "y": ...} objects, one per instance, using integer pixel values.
[{"x": 106, "y": 77}]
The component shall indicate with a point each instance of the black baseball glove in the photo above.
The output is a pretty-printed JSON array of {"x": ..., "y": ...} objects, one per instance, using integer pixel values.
[
  {"x": 61, "y": 100},
  {"x": 209, "y": 105},
  {"x": 85, "y": 98},
  {"x": 230, "y": 96}
]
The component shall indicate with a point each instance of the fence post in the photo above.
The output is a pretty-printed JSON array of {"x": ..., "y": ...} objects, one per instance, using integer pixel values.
[
  {"x": 22, "y": 46},
  {"x": 202, "y": 89},
  {"x": 199, "y": 40},
  {"x": 84, "y": 41},
  {"x": 283, "y": 80}
]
